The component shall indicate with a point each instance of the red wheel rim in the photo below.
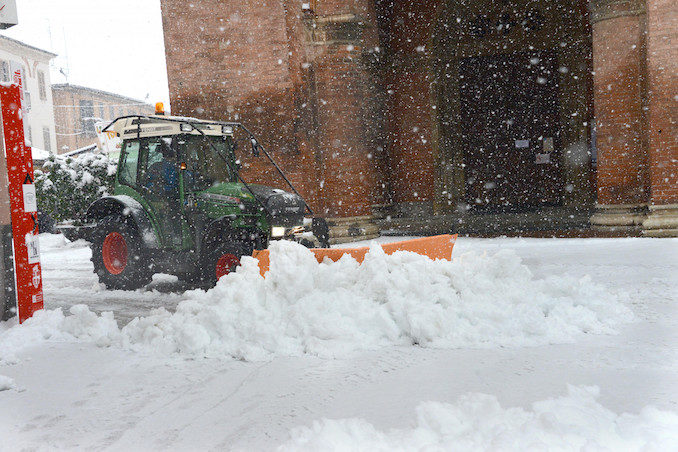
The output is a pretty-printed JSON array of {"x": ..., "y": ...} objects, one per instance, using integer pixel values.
[
  {"x": 114, "y": 253},
  {"x": 226, "y": 264}
]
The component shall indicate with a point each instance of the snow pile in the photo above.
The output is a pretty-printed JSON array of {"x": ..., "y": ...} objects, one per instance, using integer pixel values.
[
  {"x": 82, "y": 324},
  {"x": 331, "y": 309},
  {"x": 477, "y": 422},
  {"x": 6, "y": 383}
]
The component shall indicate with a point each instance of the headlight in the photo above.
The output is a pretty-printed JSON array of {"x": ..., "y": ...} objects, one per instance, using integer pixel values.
[{"x": 277, "y": 231}]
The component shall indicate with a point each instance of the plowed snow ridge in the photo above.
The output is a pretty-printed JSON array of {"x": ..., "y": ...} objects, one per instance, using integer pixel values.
[
  {"x": 331, "y": 309},
  {"x": 477, "y": 422}
]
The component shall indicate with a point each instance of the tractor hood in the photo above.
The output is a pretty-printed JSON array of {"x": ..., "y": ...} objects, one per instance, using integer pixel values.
[
  {"x": 285, "y": 208},
  {"x": 279, "y": 203},
  {"x": 229, "y": 193}
]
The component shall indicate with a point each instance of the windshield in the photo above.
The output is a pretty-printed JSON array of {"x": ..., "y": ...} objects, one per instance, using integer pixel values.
[{"x": 204, "y": 167}]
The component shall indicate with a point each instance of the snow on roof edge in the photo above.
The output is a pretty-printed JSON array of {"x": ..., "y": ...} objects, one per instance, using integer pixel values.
[
  {"x": 71, "y": 86},
  {"x": 23, "y": 44},
  {"x": 39, "y": 154}
]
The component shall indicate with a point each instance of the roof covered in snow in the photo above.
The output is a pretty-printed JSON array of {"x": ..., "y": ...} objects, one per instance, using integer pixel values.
[
  {"x": 27, "y": 46},
  {"x": 40, "y": 154},
  {"x": 97, "y": 92},
  {"x": 82, "y": 150}
]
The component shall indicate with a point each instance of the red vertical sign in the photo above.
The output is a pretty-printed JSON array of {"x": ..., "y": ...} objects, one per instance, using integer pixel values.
[{"x": 23, "y": 204}]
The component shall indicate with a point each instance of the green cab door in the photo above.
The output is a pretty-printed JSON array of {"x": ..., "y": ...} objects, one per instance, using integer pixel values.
[{"x": 151, "y": 171}]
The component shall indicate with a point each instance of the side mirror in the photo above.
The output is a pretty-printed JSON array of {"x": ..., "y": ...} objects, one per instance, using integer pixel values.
[{"x": 255, "y": 147}]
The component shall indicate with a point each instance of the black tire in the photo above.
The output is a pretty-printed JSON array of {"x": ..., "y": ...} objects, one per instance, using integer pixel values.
[
  {"x": 307, "y": 243},
  {"x": 217, "y": 256},
  {"x": 118, "y": 254}
]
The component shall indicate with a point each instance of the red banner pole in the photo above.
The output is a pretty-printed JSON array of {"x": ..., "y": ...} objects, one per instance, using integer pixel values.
[{"x": 23, "y": 204}]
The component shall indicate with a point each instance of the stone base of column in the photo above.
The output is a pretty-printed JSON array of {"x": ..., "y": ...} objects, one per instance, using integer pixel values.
[
  {"x": 420, "y": 209},
  {"x": 618, "y": 217},
  {"x": 662, "y": 221},
  {"x": 351, "y": 229}
]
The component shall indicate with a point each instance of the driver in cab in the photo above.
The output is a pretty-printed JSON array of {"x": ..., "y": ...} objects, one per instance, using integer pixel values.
[{"x": 163, "y": 176}]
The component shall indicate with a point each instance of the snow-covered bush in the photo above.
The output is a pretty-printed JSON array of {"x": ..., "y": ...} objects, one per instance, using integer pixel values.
[{"x": 67, "y": 186}]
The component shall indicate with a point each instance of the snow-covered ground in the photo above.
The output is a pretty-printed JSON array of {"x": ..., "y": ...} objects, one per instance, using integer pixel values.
[{"x": 484, "y": 352}]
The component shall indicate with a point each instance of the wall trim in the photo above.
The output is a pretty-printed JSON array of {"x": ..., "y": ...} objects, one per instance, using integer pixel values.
[{"x": 610, "y": 9}]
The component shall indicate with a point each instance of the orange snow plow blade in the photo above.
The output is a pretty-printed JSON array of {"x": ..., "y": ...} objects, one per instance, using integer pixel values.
[{"x": 436, "y": 247}]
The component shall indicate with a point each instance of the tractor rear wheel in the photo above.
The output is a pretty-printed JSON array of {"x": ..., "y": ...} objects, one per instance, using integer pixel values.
[{"x": 118, "y": 255}]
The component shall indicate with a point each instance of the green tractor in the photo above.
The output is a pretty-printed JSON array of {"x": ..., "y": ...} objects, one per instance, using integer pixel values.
[{"x": 181, "y": 207}]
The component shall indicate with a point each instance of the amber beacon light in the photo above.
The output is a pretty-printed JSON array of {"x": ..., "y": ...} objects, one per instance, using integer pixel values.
[{"x": 159, "y": 108}]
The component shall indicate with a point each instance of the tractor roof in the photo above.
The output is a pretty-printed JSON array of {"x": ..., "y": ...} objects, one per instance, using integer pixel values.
[{"x": 135, "y": 126}]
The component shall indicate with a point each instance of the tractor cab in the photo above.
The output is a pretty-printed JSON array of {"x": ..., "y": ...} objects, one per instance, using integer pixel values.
[{"x": 176, "y": 172}]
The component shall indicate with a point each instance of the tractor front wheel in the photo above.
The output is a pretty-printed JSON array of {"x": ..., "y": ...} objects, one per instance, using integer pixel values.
[
  {"x": 222, "y": 260},
  {"x": 117, "y": 254}
]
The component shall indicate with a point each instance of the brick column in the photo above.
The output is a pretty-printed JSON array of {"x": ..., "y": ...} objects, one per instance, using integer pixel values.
[
  {"x": 618, "y": 28},
  {"x": 340, "y": 43},
  {"x": 662, "y": 65},
  {"x": 412, "y": 115}
]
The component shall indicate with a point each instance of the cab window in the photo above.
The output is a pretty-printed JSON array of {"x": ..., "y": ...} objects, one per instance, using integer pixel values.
[
  {"x": 205, "y": 159},
  {"x": 152, "y": 158},
  {"x": 130, "y": 163}
]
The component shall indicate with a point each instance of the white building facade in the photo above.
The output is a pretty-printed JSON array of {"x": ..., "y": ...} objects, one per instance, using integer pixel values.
[{"x": 33, "y": 64}]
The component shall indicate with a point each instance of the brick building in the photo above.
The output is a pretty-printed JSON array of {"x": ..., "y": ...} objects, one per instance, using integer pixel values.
[
  {"x": 78, "y": 108},
  {"x": 464, "y": 115}
]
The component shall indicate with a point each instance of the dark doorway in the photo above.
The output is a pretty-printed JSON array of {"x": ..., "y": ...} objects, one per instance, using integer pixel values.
[{"x": 511, "y": 131}]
